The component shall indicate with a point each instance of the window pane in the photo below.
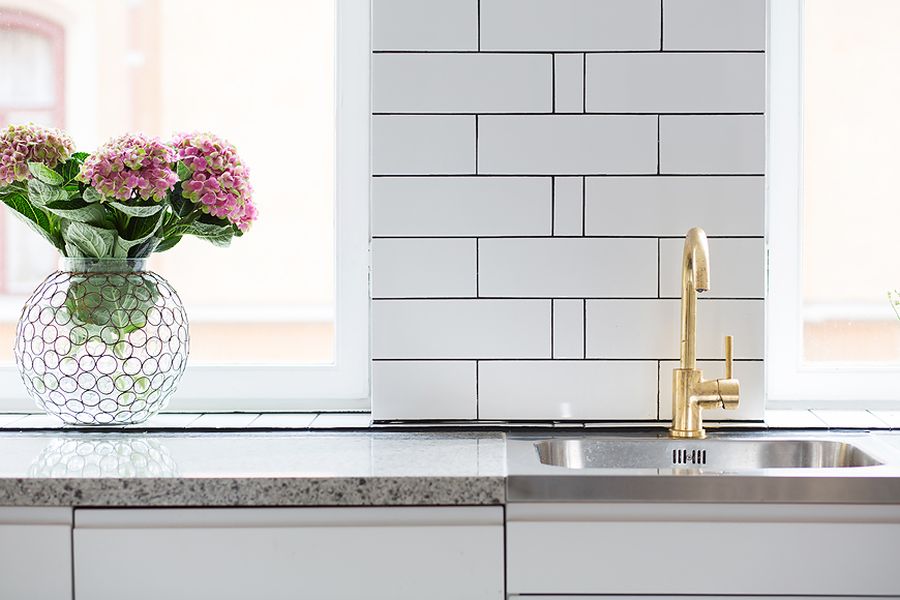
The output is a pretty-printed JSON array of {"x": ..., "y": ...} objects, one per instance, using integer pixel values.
[
  {"x": 851, "y": 200},
  {"x": 258, "y": 73}
]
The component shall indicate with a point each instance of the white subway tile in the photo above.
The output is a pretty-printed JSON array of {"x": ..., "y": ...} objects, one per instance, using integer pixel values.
[
  {"x": 461, "y": 329},
  {"x": 728, "y": 144},
  {"x": 425, "y": 24},
  {"x": 793, "y": 419},
  {"x": 461, "y": 206},
  {"x": 751, "y": 374},
  {"x": 423, "y": 390},
  {"x": 569, "y": 83},
  {"x": 672, "y": 205},
  {"x": 285, "y": 420},
  {"x": 423, "y": 267},
  {"x": 568, "y": 329},
  {"x": 737, "y": 268},
  {"x": 342, "y": 421},
  {"x": 567, "y": 267},
  {"x": 423, "y": 144},
  {"x": 714, "y": 24},
  {"x": 676, "y": 82},
  {"x": 650, "y": 328},
  {"x": 477, "y": 83},
  {"x": 570, "y": 25},
  {"x": 845, "y": 419},
  {"x": 562, "y": 389},
  {"x": 567, "y": 144},
  {"x": 224, "y": 420},
  {"x": 568, "y": 206}
]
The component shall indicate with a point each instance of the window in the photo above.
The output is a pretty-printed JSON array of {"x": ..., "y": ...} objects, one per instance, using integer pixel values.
[
  {"x": 834, "y": 203},
  {"x": 279, "y": 320}
]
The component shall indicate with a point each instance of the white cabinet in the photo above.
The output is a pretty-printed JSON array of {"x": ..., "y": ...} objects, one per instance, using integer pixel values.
[
  {"x": 392, "y": 553},
  {"x": 35, "y": 553},
  {"x": 721, "y": 549}
]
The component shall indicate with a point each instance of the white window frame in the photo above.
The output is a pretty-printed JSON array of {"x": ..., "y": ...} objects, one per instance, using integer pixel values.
[
  {"x": 343, "y": 385},
  {"x": 790, "y": 382}
]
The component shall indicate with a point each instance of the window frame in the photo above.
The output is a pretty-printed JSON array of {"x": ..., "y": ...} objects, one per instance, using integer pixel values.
[
  {"x": 789, "y": 382},
  {"x": 344, "y": 384}
]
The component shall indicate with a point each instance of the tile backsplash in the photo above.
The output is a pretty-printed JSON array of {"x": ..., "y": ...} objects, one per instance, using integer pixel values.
[{"x": 535, "y": 164}]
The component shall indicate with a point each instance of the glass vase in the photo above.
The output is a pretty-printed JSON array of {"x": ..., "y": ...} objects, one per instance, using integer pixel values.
[{"x": 102, "y": 342}]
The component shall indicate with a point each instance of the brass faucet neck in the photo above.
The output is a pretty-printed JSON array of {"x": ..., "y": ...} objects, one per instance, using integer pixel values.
[{"x": 694, "y": 278}]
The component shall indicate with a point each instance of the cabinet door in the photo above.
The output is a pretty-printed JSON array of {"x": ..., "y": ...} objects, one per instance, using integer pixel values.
[
  {"x": 695, "y": 549},
  {"x": 36, "y": 553},
  {"x": 321, "y": 553}
]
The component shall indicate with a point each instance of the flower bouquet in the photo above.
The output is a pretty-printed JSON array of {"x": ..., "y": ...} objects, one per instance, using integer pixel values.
[{"x": 103, "y": 340}]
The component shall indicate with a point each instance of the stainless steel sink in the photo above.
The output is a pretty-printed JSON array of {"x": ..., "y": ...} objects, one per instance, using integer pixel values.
[{"x": 711, "y": 454}]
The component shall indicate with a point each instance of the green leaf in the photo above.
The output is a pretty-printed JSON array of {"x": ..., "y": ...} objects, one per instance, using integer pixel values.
[
  {"x": 80, "y": 156},
  {"x": 144, "y": 229},
  {"x": 148, "y": 247},
  {"x": 168, "y": 243},
  {"x": 183, "y": 171},
  {"x": 138, "y": 210},
  {"x": 181, "y": 205},
  {"x": 35, "y": 218},
  {"x": 93, "y": 242},
  {"x": 40, "y": 194},
  {"x": 81, "y": 212},
  {"x": 45, "y": 173},
  {"x": 217, "y": 235},
  {"x": 91, "y": 195}
]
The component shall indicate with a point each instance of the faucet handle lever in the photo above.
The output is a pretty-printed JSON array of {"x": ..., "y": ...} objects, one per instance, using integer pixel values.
[{"x": 729, "y": 356}]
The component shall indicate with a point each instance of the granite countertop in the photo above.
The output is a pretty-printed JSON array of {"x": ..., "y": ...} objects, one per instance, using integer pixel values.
[{"x": 366, "y": 468}]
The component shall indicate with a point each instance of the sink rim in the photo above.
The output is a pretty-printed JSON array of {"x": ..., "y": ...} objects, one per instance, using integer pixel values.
[{"x": 758, "y": 460}]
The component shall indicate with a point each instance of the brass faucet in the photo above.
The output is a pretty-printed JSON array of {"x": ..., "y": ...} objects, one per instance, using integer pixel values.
[{"x": 690, "y": 392}]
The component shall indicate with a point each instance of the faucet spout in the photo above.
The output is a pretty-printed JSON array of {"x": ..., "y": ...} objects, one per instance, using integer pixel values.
[{"x": 694, "y": 278}]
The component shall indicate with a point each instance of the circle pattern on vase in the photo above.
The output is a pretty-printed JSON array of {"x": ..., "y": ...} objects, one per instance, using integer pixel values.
[{"x": 102, "y": 348}]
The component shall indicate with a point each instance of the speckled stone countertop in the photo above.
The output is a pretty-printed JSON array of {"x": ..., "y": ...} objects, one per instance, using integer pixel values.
[{"x": 252, "y": 469}]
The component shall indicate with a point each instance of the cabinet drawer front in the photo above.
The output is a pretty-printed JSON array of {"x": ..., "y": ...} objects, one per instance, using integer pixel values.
[
  {"x": 196, "y": 555},
  {"x": 36, "y": 553},
  {"x": 691, "y": 557}
]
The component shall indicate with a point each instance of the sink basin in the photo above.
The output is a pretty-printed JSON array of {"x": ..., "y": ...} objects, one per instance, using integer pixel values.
[{"x": 708, "y": 454}]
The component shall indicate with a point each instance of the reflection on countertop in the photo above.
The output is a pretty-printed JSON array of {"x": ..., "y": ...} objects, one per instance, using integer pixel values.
[{"x": 259, "y": 469}]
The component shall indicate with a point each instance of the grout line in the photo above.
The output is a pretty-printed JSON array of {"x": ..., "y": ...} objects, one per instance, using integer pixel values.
[
  {"x": 477, "y": 269},
  {"x": 658, "y": 373},
  {"x": 545, "y": 175},
  {"x": 586, "y": 51},
  {"x": 479, "y": 297},
  {"x": 553, "y": 206},
  {"x": 552, "y": 112},
  {"x": 584, "y": 329},
  {"x": 658, "y": 267},
  {"x": 478, "y": 21},
  {"x": 658, "y": 145},
  {"x": 476, "y": 144},
  {"x": 583, "y": 206},
  {"x": 552, "y": 319},
  {"x": 544, "y": 237},
  {"x": 584, "y": 84},
  {"x": 544, "y": 358},
  {"x": 477, "y": 392},
  {"x": 553, "y": 84},
  {"x": 661, "y": 28}
]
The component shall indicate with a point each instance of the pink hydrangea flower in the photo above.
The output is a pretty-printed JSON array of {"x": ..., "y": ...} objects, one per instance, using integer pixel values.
[
  {"x": 21, "y": 144},
  {"x": 129, "y": 166},
  {"x": 219, "y": 183}
]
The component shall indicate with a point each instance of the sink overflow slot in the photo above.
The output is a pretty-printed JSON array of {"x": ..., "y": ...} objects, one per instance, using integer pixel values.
[{"x": 683, "y": 456}]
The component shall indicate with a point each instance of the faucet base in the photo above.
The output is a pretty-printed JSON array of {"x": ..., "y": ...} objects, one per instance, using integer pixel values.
[{"x": 691, "y": 434}]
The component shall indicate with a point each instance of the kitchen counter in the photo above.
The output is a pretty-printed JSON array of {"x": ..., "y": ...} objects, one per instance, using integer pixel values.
[
  {"x": 396, "y": 468},
  {"x": 251, "y": 469}
]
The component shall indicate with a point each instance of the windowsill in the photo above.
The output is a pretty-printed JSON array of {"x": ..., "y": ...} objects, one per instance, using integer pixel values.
[{"x": 314, "y": 421}]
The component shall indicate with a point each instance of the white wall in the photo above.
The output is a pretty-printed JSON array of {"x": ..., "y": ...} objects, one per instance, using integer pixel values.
[{"x": 535, "y": 162}]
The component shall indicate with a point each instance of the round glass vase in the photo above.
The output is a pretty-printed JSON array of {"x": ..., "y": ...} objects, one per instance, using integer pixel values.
[{"x": 102, "y": 342}]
